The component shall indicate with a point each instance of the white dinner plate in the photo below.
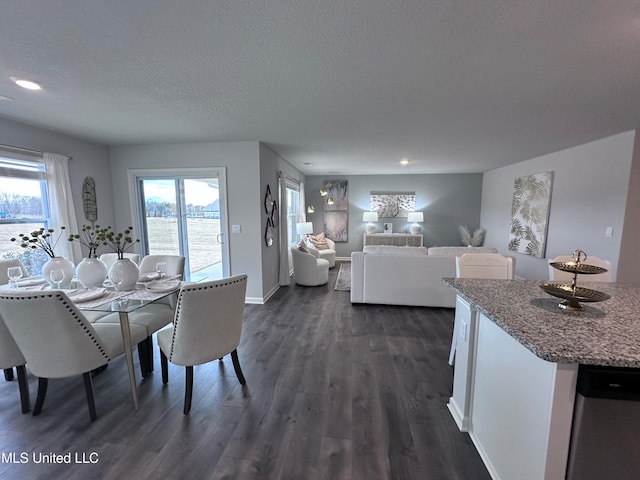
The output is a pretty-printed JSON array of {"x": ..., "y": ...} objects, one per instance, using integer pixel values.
[
  {"x": 165, "y": 286},
  {"x": 86, "y": 295}
]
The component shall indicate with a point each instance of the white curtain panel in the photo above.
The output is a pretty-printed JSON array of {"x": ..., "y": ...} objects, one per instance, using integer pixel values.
[
  {"x": 283, "y": 240},
  {"x": 62, "y": 210},
  {"x": 302, "y": 209}
]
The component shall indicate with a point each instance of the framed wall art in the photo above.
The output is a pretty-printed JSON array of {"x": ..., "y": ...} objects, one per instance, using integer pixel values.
[
  {"x": 392, "y": 204},
  {"x": 336, "y": 226},
  {"x": 530, "y": 214},
  {"x": 338, "y": 191}
]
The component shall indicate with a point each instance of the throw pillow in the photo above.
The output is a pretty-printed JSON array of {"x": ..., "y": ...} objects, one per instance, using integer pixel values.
[
  {"x": 319, "y": 241},
  {"x": 302, "y": 247}
]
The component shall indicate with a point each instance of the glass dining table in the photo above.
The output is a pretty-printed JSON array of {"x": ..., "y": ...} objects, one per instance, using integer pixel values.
[
  {"x": 124, "y": 303},
  {"x": 108, "y": 300}
]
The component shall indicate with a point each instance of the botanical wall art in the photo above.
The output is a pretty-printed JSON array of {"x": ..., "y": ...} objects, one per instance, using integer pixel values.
[
  {"x": 336, "y": 226},
  {"x": 337, "y": 190},
  {"x": 530, "y": 214},
  {"x": 389, "y": 205}
]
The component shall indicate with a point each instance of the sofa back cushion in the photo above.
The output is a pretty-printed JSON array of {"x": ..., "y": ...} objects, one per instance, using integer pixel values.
[
  {"x": 392, "y": 250},
  {"x": 457, "y": 251}
]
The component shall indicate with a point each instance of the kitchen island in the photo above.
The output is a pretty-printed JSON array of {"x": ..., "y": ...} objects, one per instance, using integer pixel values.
[{"x": 516, "y": 367}]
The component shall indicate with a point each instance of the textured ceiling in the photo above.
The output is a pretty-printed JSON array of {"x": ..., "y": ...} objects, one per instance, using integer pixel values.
[{"x": 350, "y": 87}]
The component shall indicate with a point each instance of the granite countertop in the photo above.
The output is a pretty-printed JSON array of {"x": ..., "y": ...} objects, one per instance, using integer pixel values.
[{"x": 603, "y": 333}]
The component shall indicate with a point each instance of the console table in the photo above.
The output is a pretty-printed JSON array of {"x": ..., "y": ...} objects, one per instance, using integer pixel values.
[{"x": 396, "y": 239}]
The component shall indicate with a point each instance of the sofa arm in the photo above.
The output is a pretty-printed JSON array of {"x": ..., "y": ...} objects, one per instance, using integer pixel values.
[
  {"x": 330, "y": 243},
  {"x": 357, "y": 277},
  {"x": 313, "y": 251}
]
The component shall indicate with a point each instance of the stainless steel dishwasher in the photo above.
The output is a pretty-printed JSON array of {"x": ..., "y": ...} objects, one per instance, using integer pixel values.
[{"x": 605, "y": 436}]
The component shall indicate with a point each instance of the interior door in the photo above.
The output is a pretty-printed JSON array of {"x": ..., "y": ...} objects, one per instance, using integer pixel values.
[{"x": 185, "y": 215}]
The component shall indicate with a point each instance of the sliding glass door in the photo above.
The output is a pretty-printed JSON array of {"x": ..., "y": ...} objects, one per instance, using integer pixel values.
[{"x": 185, "y": 215}]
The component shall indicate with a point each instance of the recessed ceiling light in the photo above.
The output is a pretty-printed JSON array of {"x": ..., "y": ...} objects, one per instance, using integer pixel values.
[
  {"x": 404, "y": 161},
  {"x": 28, "y": 84}
]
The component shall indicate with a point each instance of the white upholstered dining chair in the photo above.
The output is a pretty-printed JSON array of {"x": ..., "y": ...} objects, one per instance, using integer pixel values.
[
  {"x": 156, "y": 315},
  {"x": 11, "y": 356},
  {"x": 484, "y": 265},
  {"x": 207, "y": 326},
  {"x": 480, "y": 265},
  {"x": 8, "y": 263},
  {"x": 110, "y": 258},
  {"x": 560, "y": 276},
  {"x": 58, "y": 341}
]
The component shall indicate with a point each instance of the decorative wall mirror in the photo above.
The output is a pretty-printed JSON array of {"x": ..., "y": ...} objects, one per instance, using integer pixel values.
[
  {"x": 269, "y": 233},
  {"x": 268, "y": 201}
]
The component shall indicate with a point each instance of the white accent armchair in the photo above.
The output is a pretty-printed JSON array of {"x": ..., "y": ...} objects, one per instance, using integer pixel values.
[
  {"x": 207, "y": 325},
  {"x": 308, "y": 270},
  {"x": 328, "y": 254}
]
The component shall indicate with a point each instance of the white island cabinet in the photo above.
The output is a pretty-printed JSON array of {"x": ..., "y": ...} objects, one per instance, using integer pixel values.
[
  {"x": 516, "y": 368},
  {"x": 522, "y": 408},
  {"x": 463, "y": 342}
]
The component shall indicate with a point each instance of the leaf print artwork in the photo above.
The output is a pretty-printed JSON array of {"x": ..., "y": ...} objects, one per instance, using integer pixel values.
[{"x": 530, "y": 214}]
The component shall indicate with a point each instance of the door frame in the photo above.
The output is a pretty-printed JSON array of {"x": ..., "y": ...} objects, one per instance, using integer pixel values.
[{"x": 200, "y": 172}]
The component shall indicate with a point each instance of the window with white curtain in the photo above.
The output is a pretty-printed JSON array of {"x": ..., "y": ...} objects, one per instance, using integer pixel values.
[
  {"x": 293, "y": 197},
  {"x": 24, "y": 206}
]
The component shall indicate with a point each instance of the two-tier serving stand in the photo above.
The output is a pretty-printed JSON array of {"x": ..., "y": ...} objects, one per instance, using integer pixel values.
[{"x": 572, "y": 294}]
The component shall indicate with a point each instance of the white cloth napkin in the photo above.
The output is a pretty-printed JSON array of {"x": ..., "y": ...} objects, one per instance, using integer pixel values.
[
  {"x": 27, "y": 282},
  {"x": 148, "y": 277},
  {"x": 85, "y": 295}
]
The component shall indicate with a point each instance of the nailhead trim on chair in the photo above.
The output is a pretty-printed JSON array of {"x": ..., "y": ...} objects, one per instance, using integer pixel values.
[
  {"x": 66, "y": 304},
  {"x": 192, "y": 288}
]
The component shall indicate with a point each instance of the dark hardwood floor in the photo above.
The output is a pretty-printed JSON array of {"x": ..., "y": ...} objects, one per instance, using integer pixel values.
[{"x": 334, "y": 391}]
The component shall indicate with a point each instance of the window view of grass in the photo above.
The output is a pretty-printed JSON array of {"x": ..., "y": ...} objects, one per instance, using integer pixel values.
[{"x": 204, "y": 249}]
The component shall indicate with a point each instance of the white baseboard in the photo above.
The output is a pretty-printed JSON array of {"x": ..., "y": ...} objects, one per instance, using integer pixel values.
[{"x": 262, "y": 300}]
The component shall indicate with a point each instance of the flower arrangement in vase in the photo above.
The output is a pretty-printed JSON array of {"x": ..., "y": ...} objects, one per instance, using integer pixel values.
[
  {"x": 91, "y": 271},
  {"x": 123, "y": 273},
  {"x": 118, "y": 242},
  {"x": 88, "y": 237},
  {"x": 43, "y": 239}
]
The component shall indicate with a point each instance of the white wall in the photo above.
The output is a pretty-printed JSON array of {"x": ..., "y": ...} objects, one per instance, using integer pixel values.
[
  {"x": 88, "y": 159},
  {"x": 244, "y": 193},
  {"x": 589, "y": 193},
  {"x": 629, "y": 264},
  {"x": 447, "y": 200},
  {"x": 270, "y": 164}
]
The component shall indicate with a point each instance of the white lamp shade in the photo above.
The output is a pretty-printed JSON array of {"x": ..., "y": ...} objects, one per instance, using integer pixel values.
[
  {"x": 370, "y": 216},
  {"x": 414, "y": 217},
  {"x": 304, "y": 228}
]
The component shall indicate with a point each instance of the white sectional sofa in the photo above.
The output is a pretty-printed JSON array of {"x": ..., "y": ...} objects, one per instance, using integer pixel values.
[{"x": 406, "y": 275}]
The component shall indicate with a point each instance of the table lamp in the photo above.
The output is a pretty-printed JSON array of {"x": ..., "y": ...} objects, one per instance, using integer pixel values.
[
  {"x": 415, "y": 218},
  {"x": 370, "y": 217},
  {"x": 304, "y": 228}
]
